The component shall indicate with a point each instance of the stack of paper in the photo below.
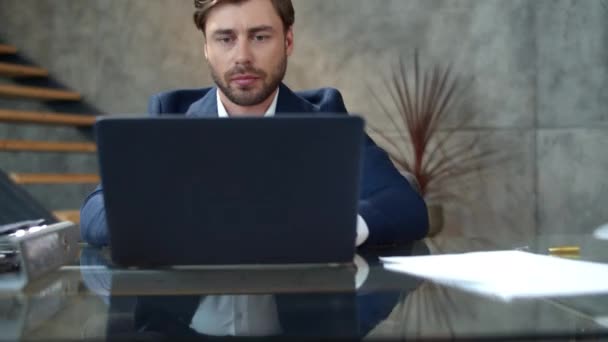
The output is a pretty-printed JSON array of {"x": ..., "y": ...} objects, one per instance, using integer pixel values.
[{"x": 508, "y": 274}]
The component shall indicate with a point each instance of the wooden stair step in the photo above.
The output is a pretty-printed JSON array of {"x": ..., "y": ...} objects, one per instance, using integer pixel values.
[
  {"x": 17, "y": 70},
  {"x": 68, "y": 215},
  {"x": 50, "y": 178},
  {"x": 38, "y": 93},
  {"x": 19, "y": 116},
  {"x": 47, "y": 146},
  {"x": 7, "y": 49}
]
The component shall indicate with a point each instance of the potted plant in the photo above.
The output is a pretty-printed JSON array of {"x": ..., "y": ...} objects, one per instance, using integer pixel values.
[{"x": 423, "y": 147}]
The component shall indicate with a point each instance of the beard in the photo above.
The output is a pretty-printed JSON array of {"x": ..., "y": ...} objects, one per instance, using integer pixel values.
[{"x": 249, "y": 96}]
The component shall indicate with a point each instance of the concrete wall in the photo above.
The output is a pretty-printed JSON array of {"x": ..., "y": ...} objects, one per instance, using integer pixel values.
[{"x": 540, "y": 90}]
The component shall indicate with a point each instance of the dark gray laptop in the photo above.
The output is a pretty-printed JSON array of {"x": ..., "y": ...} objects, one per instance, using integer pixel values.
[{"x": 250, "y": 191}]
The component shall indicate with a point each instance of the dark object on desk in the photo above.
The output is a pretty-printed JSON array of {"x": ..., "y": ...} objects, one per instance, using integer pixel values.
[
  {"x": 13, "y": 227},
  {"x": 9, "y": 262},
  {"x": 9, "y": 255},
  {"x": 35, "y": 251},
  {"x": 16, "y": 204},
  {"x": 229, "y": 192}
]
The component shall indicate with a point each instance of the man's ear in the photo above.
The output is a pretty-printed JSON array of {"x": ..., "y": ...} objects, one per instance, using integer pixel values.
[
  {"x": 205, "y": 49},
  {"x": 289, "y": 41}
]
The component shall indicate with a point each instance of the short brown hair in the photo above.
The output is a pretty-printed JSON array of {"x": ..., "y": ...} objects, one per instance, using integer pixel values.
[{"x": 284, "y": 9}]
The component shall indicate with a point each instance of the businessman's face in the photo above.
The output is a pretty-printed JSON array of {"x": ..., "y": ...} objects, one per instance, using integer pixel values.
[{"x": 247, "y": 49}]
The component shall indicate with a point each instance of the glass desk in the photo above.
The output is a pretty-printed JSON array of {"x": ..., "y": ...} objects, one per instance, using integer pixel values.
[{"x": 92, "y": 300}]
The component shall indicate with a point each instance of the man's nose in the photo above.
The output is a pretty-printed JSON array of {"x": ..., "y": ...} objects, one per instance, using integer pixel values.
[{"x": 244, "y": 52}]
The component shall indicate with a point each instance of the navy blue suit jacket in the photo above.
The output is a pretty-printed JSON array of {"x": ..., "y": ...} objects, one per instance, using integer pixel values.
[{"x": 392, "y": 209}]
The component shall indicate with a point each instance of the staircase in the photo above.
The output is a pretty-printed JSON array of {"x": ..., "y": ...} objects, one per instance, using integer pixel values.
[{"x": 47, "y": 158}]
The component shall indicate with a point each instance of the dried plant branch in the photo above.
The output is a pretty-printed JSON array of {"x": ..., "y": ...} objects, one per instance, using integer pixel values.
[
  {"x": 387, "y": 113},
  {"x": 423, "y": 99},
  {"x": 455, "y": 150}
]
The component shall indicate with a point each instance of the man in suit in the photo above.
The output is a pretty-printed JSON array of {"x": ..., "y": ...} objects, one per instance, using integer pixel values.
[{"x": 247, "y": 46}]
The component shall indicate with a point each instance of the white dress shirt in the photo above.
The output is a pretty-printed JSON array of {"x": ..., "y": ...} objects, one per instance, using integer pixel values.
[
  {"x": 249, "y": 315},
  {"x": 244, "y": 315}
]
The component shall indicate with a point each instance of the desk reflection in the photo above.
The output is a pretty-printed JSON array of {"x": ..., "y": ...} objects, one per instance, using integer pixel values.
[{"x": 341, "y": 302}]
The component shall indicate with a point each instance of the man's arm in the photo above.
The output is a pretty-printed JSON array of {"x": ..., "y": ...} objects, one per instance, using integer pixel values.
[
  {"x": 393, "y": 211},
  {"x": 93, "y": 224}
]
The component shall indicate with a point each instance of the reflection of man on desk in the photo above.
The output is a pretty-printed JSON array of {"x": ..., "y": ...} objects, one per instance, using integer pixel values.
[
  {"x": 298, "y": 312},
  {"x": 247, "y": 45}
]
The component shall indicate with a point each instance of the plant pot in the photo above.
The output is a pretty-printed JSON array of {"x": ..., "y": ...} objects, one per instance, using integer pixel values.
[{"x": 435, "y": 219}]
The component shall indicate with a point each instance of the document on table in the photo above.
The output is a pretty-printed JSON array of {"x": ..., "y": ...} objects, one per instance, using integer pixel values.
[{"x": 507, "y": 274}]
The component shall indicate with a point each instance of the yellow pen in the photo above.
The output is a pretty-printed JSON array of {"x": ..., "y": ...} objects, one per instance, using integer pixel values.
[{"x": 565, "y": 250}]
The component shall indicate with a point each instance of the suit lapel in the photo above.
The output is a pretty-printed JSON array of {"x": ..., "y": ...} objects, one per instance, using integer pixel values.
[
  {"x": 290, "y": 103},
  {"x": 206, "y": 107}
]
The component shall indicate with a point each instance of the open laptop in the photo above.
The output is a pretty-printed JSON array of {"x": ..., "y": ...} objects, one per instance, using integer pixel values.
[{"x": 241, "y": 191}]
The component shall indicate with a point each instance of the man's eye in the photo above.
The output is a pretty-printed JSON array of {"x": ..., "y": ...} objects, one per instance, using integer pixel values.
[
  {"x": 224, "y": 40},
  {"x": 260, "y": 38}
]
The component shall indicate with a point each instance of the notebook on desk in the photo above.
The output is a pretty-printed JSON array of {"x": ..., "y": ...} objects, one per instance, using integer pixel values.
[{"x": 247, "y": 191}]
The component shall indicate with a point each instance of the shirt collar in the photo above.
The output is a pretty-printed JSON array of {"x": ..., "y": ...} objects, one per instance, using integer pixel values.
[{"x": 223, "y": 113}]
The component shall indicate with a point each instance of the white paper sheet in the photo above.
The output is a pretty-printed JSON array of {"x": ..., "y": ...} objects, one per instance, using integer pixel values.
[{"x": 508, "y": 274}]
